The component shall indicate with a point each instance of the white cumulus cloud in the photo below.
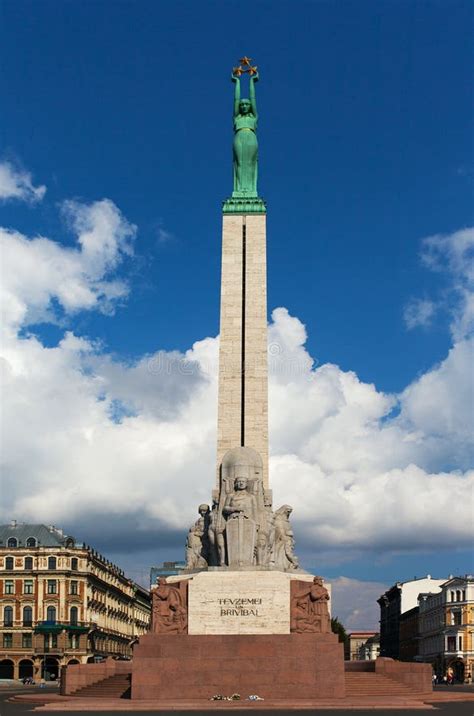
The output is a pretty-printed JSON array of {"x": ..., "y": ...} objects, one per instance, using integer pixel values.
[
  {"x": 17, "y": 184},
  {"x": 419, "y": 312},
  {"x": 87, "y": 434},
  {"x": 452, "y": 255},
  {"x": 37, "y": 271}
]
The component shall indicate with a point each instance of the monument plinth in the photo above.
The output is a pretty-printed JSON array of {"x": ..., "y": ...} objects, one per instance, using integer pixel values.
[{"x": 243, "y": 617}]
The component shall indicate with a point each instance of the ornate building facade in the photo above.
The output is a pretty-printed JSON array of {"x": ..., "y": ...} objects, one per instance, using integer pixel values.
[
  {"x": 446, "y": 628},
  {"x": 62, "y": 602}
]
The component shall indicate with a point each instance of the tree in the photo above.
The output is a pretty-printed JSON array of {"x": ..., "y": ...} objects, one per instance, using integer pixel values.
[{"x": 339, "y": 629}]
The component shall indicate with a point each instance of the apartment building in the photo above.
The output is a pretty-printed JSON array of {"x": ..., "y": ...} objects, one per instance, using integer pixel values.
[{"x": 61, "y": 602}]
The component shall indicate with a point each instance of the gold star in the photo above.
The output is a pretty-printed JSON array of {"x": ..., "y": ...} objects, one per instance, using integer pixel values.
[{"x": 246, "y": 60}]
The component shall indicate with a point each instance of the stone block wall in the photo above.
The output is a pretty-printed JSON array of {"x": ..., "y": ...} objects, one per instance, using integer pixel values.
[
  {"x": 416, "y": 676},
  {"x": 299, "y": 666}
]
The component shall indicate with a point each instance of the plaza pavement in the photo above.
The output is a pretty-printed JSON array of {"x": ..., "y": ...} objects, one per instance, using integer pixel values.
[{"x": 446, "y": 701}]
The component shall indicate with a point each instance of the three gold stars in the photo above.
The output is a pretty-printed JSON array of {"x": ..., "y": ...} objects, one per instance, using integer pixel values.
[{"x": 245, "y": 66}]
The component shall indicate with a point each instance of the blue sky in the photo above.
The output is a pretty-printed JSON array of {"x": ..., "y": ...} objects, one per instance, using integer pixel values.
[{"x": 365, "y": 150}]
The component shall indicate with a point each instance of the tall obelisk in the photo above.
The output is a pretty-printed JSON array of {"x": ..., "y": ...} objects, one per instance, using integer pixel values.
[
  {"x": 241, "y": 530},
  {"x": 243, "y": 362}
]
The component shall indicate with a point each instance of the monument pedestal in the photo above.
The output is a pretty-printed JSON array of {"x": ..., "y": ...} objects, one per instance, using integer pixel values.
[
  {"x": 247, "y": 632},
  {"x": 278, "y": 666}
]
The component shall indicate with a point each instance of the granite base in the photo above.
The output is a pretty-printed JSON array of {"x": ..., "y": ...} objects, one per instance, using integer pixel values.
[{"x": 277, "y": 666}]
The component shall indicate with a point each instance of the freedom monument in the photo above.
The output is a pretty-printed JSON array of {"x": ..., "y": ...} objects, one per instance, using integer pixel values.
[{"x": 243, "y": 617}]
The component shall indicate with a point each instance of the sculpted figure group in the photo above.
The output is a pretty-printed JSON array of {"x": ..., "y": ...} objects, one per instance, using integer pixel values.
[
  {"x": 309, "y": 607},
  {"x": 169, "y": 608},
  {"x": 241, "y": 529}
]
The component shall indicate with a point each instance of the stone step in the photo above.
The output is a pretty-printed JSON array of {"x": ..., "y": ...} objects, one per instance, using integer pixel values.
[
  {"x": 371, "y": 684},
  {"x": 116, "y": 686}
]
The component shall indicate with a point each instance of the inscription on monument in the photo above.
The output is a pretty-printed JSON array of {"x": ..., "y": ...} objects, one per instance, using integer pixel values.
[
  {"x": 239, "y": 603},
  {"x": 239, "y": 607}
]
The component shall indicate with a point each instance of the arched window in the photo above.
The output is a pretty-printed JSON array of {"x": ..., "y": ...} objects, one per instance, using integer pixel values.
[
  {"x": 73, "y": 615},
  {"x": 31, "y": 542},
  {"x": 28, "y": 562},
  {"x": 27, "y": 616},
  {"x": 452, "y": 596},
  {"x": 8, "y": 562},
  {"x": 458, "y": 595},
  {"x": 12, "y": 542},
  {"x": 51, "y": 614},
  {"x": 8, "y": 616},
  {"x": 52, "y": 562}
]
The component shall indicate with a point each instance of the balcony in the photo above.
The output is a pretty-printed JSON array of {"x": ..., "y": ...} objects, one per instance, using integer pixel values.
[
  {"x": 49, "y": 627},
  {"x": 52, "y": 650}
]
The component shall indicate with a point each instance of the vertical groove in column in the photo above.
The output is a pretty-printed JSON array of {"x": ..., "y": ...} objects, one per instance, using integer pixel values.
[{"x": 242, "y": 364}]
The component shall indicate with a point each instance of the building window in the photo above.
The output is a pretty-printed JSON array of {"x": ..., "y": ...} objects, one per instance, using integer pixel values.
[
  {"x": 51, "y": 614},
  {"x": 456, "y": 617},
  {"x": 460, "y": 643},
  {"x": 52, "y": 562},
  {"x": 31, "y": 542},
  {"x": 74, "y": 563},
  {"x": 50, "y": 641},
  {"x": 27, "y": 616},
  {"x": 451, "y": 643},
  {"x": 9, "y": 586},
  {"x": 8, "y": 616},
  {"x": 12, "y": 542},
  {"x": 73, "y": 615},
  {"x": 28, "y": 586},
  {"x": 452, "y": 596},
  {"x": 73, "y": 641},
  {"x": 51, "y": 586},
  {"x": 73, "y": 587},
  {"x": 7, "y": 641},
  {"x": 464, "y": 595},
  {"x": 28, "y": 562},
  {"x": 8, "y": 562},
  {"x": 26, "y": 641}
]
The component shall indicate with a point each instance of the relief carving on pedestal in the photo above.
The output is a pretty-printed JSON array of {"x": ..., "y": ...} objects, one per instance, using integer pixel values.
[
  {"x": 169, "y": 613},
  {"x": 309, "y": 607}
]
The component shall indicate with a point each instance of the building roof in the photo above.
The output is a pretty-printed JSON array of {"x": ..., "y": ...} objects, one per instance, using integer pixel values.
[
  {"x": 45, "y": 535},
  {"x": 458, "y": 580}
]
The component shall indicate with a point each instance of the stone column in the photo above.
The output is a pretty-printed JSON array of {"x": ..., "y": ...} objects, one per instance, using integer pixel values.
[{"x": 243, "y": 362}]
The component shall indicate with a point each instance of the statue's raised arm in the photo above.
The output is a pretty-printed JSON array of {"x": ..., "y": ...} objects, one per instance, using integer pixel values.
[
  {"x": 236, "y": 80},
  {"x": 253, "y": 101}
]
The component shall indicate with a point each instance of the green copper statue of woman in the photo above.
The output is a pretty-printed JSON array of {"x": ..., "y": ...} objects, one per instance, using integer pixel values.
[{"x": 245, "y": 139}]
